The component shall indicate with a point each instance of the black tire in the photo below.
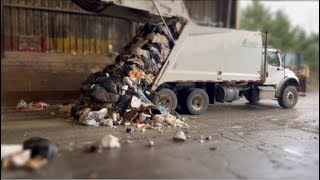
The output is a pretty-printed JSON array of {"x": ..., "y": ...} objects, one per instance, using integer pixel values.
[
  {"x": 252, "y": 96},
  {"x": 197, "y": 101},
  {"x": 182, "y": 98},
  {"x": 289, "y": 97},
  {"x": 167, "y": 99}
]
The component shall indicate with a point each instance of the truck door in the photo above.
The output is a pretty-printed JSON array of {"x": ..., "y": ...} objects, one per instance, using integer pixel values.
[{"x": 275, "y": 70}]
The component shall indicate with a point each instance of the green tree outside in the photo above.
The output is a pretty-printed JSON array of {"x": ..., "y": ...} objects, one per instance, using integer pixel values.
[{"x": 282, "y": 35}]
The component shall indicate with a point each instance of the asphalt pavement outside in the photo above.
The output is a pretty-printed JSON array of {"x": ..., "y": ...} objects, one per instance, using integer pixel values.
[{"x": 248, "y": 141}]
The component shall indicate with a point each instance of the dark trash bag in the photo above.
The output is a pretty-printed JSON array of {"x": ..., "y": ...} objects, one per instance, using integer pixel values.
[
  {"x": 108, "y": 84},
  {"x": 75, "y": 112},
  {"x": 126, "y": 69},
  {"x": 86, "y": 89},
  {"x": 148, "y": 28},
  {"x": 40, "y": 147},
  {"x": 92, "y": 78},
  {"x": 102, "y": 96},
  {"x": 109, "y": 69},
  {"x": 123, "y": 103}
]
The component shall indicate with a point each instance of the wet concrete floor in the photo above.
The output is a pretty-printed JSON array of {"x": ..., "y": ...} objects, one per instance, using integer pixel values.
[{"x": 248, "y": 141}]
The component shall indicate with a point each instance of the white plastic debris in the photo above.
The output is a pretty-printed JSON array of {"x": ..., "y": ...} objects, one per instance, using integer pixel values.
[
  {"x": 170, "y": 119},
  {"x": 92, "y": 118},
  {"x": 158, "y": 118},
  {"x": 84, "y": 114},
  {"x": 236, "y": 127},
  {"x": 180, "y": 136},
  {"x": 151, "y": 143},
  {"x": 91, "y": 122},
  {"x": 110, "y": 141},
  {"x": 157, "y": 124},
  {"x": 135, "y": 102},
  {"x": 22, "y": 105},
  {"x": 127, "y": 123},
  {"x": 106, "y": 122},
  {"x": 142, "y": 129},
  {"x": 143, "y": 116},
  {"x": 128, "y": 81},
  {"x": 10, "y": 149},
  {"x": 140, "y": 126},
  {"x": 20, "y": 159},
  {"x": 128, "y": 141},
  {"x": 98, "y": 115},
  {"x": 125, "y": 87},
  {"x": 115, "y": 116}
]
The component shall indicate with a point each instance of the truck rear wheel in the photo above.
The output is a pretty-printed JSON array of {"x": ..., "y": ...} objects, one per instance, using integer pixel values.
[
  {"x": 289, "y": 97},
  {"x": 252, "y": 96},
  {"x": 197, "y": 101},
  {"x": 167, "y": 99}
]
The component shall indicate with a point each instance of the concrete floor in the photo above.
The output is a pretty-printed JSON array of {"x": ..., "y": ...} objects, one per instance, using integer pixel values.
[{"x": 261, "y": 141}]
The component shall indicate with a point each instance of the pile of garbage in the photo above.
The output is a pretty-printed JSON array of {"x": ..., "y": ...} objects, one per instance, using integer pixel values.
[
  {"x": 120, "y": 93},
  {"x": 33, "y": 154}
]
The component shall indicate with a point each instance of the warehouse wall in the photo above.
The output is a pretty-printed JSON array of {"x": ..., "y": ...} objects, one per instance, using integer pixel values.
[
  {"x": 60, "y": 26},
  {"x": 63, "y": 27},
  {"x": 214, "y": 12}
]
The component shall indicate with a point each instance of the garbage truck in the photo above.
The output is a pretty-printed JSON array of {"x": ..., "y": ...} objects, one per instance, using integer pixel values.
[{"x": 208, "y": 64}]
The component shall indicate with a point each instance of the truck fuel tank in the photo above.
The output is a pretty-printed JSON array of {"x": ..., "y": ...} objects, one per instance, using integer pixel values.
[{"x": 226, "y": 94}]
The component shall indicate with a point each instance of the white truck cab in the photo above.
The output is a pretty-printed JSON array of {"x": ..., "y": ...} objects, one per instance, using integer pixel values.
[
  {"x": 275, "y": 70},
  {"x": 281, "y": 77}
]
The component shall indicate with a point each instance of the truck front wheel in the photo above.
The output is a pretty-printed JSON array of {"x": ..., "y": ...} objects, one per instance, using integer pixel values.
[
  {"x": 252, "y": 96},
  {"x": 197, "y": 101},
  {"x": 289, "y": 97},
  {"x": 167, "y": 99}
]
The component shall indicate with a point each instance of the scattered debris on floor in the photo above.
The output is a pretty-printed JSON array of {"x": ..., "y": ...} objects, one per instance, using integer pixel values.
[
  {"x": 33, "y": 154},
  {"x": 128, "y": 140},
  {"x": 213, "y": 148},
  {"x": 36, "y": 163},
  {"x": 92, "y": 148},
  {"x": 121, "y": 92},
  {"x": 109, "y": 142},
  {"x": 66, "y": 108},
  {"x": 129, "y": 129},
  {"x": 41, "y": 146},
  {"x": 236, "y": 127},
  {"x": 208, "y": 138},
  {"x": 24, "y": 106},
  {"x": 150, "y": 143},
  {"x": 180, "y": 137},
  {"x": 93, "y": 175}
]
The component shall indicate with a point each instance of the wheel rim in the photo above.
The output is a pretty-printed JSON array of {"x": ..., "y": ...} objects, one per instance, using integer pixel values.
[
  {"x": 165, "y": 101},
  {"x": 197, "y": 102},
  {"x": 291, "y": 97}
]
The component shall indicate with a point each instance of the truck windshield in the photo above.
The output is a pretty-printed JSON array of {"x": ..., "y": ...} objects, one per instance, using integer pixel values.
[{"x": 273, "y": 59}]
